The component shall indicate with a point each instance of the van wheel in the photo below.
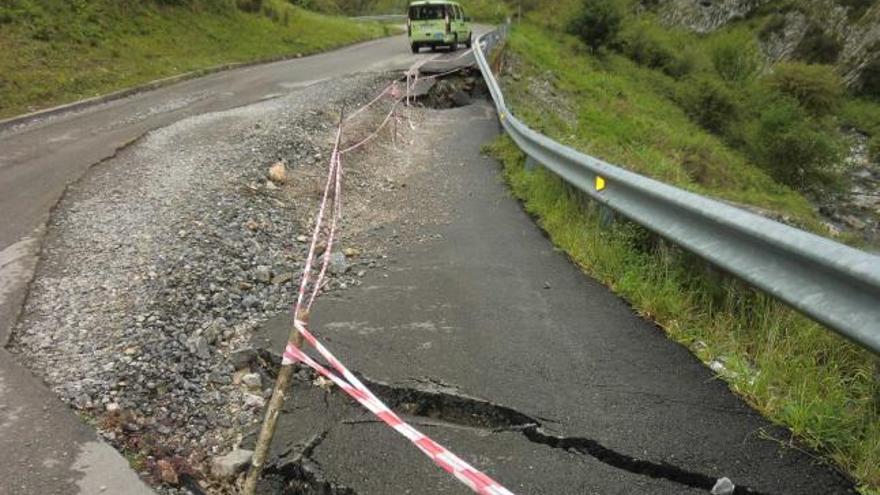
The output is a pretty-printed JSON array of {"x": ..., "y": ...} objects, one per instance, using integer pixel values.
[
  {"x": 454, "y": 45},
  {"x": 414, "y": 47},
  {"x": 470, "y": 40}
]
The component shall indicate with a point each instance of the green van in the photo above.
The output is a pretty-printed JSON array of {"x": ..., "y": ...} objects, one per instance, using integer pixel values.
[{"x": 437, "y": 23}]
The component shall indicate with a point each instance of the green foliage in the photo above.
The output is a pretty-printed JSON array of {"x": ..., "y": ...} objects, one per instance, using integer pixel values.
[
  {"x": 817, "y": 87},
  {"x": 857, "y": 8},
  {"x": 53, "y": 51},
  {"x": 869, "y": 83},
  {"x": 710, "y": 103},
  {"x": 735, "y": 56},
  {"x": 791, "y": 369},
  {"x": 597, "y": 23},
  {"x": 648, "y": 44},
  {"x": 797, "y": 150},
  {"x": 764, "y": 142},
  {"x": 774, "y": 25},
  {"x": 249, "y": 5},
  {"x": 818, "y": 47}
]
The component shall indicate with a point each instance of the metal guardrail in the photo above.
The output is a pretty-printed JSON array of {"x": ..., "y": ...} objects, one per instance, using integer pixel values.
[{"x": 834, "y": 284}]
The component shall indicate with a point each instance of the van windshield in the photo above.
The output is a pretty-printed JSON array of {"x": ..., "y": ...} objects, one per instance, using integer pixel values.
[{"x": 427, "y": 12}]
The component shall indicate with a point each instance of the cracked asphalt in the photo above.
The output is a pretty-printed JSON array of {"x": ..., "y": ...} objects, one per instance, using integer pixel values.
[
  {"x": 44, "y": 447},
  {"x": 486, "y": 308}
]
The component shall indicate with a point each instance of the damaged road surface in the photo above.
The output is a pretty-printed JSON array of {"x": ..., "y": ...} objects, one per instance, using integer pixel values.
[
  {"x": 160, "y": 305},
  {"x": 490, "y": 341}
]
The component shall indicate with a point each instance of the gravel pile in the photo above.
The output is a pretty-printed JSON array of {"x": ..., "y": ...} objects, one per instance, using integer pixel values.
[{"x": 159, "y": 263}]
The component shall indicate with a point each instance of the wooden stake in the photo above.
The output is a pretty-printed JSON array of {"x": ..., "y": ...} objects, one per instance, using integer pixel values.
[{"x": 270, "y": 421}]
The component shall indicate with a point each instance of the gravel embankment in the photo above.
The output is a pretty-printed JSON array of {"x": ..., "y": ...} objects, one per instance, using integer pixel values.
[{"x": 159, "y": 263}]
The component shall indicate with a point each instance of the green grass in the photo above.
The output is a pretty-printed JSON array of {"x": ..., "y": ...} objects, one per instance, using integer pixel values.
[
  {"x": 793, "y": 370},
  {"x": 54, "y": 51}
]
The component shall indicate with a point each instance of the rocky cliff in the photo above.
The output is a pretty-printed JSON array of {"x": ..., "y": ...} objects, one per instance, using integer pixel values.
[{"x": 845, "y": 33}]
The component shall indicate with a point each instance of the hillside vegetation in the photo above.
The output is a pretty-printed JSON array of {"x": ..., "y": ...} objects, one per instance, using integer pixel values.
[
  {"x": 709, "y": 112},
  {"x": 481, "y": 10},
  {"x": 56, "y": 51}
]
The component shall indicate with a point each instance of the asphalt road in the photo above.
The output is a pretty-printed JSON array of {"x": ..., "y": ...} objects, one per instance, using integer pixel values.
[
  {"x": 44, "y": 448},
  {"x": 486, "y": 308}
]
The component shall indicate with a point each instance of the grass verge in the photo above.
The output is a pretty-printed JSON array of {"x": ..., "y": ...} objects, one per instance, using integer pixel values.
[
  {"x": 793, "y": 370},
  {"x": 53, "y": 52}
]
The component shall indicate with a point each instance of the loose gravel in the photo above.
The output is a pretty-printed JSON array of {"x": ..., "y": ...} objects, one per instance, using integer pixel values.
[{"x": 161, "y": 261}]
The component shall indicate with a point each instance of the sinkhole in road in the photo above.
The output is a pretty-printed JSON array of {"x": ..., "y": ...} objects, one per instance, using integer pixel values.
[{"x": 454, "y": 90}]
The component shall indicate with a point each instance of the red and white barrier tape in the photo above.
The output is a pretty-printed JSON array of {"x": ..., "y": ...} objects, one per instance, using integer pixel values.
[{"x": 348, "y": 382}]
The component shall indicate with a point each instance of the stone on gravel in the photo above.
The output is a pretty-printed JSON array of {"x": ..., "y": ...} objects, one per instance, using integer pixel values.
[
  {"x": 199, "y": 346},
  {"x": 242, "y": 358},
  {"x": 723, "y": 487},
  {"x": 263, "y": 274},
  {"x": 351, "y": 252},
  {"x": 231, "y": 464},
  {"x": 252, "y": 381},
  {"x": 167, "y": 472},
  {"x": 278, "y": 173},
  {"x": 254, "y": 401},
  {"x": 338, "y": 264},
  {"x": 283, "y": 277}
]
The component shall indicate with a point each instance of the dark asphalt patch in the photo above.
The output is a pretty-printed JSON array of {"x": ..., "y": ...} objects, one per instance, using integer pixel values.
[{"x": 471, "y": 308}]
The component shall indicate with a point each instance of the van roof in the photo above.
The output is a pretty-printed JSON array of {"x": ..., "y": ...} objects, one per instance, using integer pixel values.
[{"x": 431, "y": 2}]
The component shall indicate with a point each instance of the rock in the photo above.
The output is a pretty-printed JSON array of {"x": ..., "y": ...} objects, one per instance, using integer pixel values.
[
  {"x": 278, "y": 173},
  {"x": 231, "y": 464},
  {"x": 112, "y": 407},
  {"x": 214, "y": 330},
  {"x": 460, "y": 98},
  {"x": 252, "y": 381},
  {"x": 220, "y": 378},
  {"x": 338, "y": 264},
  {"x": 199, "y": 346},
  {"x": 271, "y": 185},
  {"x": 283, "y": 277},
  {"x": 242, "y": 358},
  {"x": 854, "y": 222},
  {"x": 250, "y": 301},
  {"x": 302, "y": 238},
  {"x": 167, "y": 472},
  {"x": 254, "y": 401},
  {"x": 263, "y": 274},
  {"x": 723, "y": 487},
  {"x": 350, "y": 252},
  {"x": 717, "y": 367}
]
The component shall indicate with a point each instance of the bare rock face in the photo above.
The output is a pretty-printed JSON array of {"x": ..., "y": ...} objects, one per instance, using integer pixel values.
[
  {"x": 856, "y": 33},
  {"x": 705, "y": 16}
]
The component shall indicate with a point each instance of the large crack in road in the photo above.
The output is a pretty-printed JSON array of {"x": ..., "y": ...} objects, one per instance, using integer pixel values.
[
  {"x": 439, "y": 401},
  {"x": 446, "y": 279}
]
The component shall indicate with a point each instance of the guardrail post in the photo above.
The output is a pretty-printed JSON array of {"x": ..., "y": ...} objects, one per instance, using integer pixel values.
[
  {"x": 877, "y": 383},
  {"x": 606, "y": 216}
]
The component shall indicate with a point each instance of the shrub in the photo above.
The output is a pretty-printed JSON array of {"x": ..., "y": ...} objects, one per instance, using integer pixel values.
[
  {"x": 793, "y": 147},
  {"x": 869, "y": 80},
  {"x": 817, "y": 87},
  {"x": 597, "y": 23},
  {"x": 874, "y": 149},
  {"x": 817, "y": 47},
  {"x": 249, "y": 5},
  {"x": 650, "y": 45},
  {"x": 735, "y": 56},
  {"x": 857, "y": 8},
  {"x": 709, "y": 102},
  {"x": 774, "y": 25}
]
